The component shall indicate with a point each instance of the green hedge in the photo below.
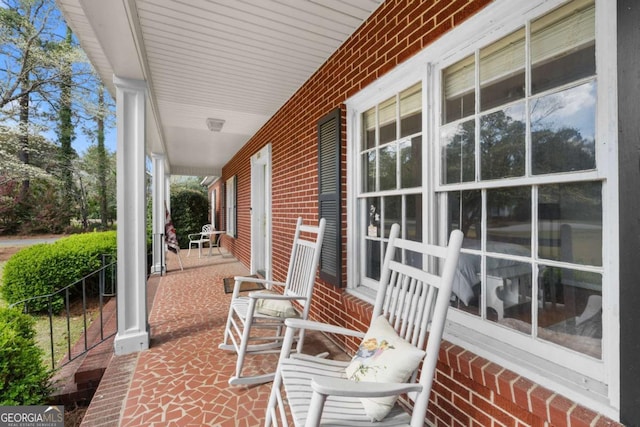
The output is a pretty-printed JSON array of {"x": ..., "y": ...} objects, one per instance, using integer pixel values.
[
  {"x": 189, "y": 212},
  {"x": 45, "y": 268},
  {"x": 24, "y": 380}
]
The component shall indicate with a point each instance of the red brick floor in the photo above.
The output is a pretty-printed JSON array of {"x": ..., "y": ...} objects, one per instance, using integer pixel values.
[{"x": 181, "y": 380}]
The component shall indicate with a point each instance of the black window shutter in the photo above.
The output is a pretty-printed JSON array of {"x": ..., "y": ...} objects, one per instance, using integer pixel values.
[{"x": 329, "y": 181}]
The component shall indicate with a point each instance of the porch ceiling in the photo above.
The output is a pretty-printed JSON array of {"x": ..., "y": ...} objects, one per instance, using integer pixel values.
[{"x": 235, "y": 60}]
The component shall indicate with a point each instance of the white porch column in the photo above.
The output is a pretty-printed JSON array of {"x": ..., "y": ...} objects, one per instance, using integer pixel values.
[
  {"x": 158, "y": 213},
  {"x": 167, "y": 191},
  {"x": 133, "y": 330}
]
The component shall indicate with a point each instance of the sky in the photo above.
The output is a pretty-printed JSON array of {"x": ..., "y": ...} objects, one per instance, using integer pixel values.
[{"x": 81, "y": 143}]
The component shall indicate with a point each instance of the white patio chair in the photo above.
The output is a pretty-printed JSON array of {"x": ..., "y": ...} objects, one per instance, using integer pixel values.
[
  {"x": 409, "y": 300},
  {"x": 199, "y": 239},
  {"x": 255, "y": 324}
]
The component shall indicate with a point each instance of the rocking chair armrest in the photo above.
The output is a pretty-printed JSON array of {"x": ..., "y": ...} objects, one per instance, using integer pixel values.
[
  {"x": 294, "y": 323},
  {"x": 263, "y": 295},
  {"x": 268, "y": 283},
  {"x": 258, "y": 280},
  {"x": 344, "y": 387}
]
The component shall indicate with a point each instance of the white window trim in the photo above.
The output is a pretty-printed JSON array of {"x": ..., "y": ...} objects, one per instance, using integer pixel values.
[
  {"x": 600, "y": 389},
  {"x": 231, "y": 206}
]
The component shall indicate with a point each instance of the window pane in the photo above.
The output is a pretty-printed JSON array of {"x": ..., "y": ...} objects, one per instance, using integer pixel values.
[
  {"x": 369, "y": 128},
  {"x": 562, "y": 47},
  {"x": 392, "y": 213},
  {"x": 372, "y": 259},
  {"x": 502, "y": 71},
  {"x": 373, "y": 224},
  {"x": 369, "y": 171},
  {"x": 509, "y": 293},
  {"x": 458, "y": 83},
  {"x": 458, "y": 152},
  {"x": 465, "y": 214},
  {"x": 413, "y": 217},
  {"x": 466, "y": 284},
  {"x": 411, "y": 111},
  {"x": 563, "y": 130},
  {"x": 411, "y": 163},
  {"x": 387, "y": 120},
  {"x": 570, "y": 223},
  {"x": 502, "y": 143},
  {"x": 509, "y": 221},
  {"x": 571, "y": 315},
  {"x": 388, "y": 168}
]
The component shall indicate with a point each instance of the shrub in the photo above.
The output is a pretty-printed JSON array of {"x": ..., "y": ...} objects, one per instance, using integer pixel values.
[
  {"x": 24, "y": 380},
  {"x": 45, "y": 268},
  {"x": 189, "y": 212}
]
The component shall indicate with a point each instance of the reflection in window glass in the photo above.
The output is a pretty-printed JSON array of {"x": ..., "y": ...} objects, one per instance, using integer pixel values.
[
  {"x": 392, "y": 212},
  {"x": 509, "y": 220},
  {"x": 466, "y": 286},
  {"x": 458, "y": 152},
  {"x": 411, "y": 111},
  {"x": 388, "y": 167},
  {"x": 563, "y": 130},
  {"x": 369, "y": 128},
  {"x": 502, "y": 143},
  {"x": 369, "y": 171},
  {"x": 465, "y": 214},
  {"x": 562, "y": 47},
  {"x": 413, "y": 217},
  {"x": 570, "y": 223},
  {"x": 411, "y": 162},
  {"x": 413, "y": 259},
  {"x": 387, "y": 120},
  {"x": 372, "y": 259},
  {"x": 508, "y": 292},
  {"x": 459, "y": 90},
  {"x": 502, "y": 71},
  {"x": 571, "y": 313}
]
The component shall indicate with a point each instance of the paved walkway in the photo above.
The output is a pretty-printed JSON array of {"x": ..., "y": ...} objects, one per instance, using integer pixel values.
[{"x": 182, "y": 379}]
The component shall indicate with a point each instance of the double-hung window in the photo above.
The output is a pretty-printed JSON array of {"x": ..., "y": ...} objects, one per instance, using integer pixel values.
[
  {"x": 390, "y": 188},
  {"x": 505, "y": 139},
  {"x": 520, "y": 178},
  {"x": 231, "y": 195}
]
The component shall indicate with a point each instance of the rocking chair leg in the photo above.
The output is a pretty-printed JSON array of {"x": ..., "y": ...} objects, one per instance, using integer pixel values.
[{"x": 243, "y": 344}]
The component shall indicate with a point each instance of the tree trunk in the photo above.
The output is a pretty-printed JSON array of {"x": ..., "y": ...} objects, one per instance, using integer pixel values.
[{"x": 102, "y": 161}]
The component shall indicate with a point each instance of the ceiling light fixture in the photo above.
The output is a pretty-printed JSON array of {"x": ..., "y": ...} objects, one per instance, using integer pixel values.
[{"x": 215, "y": 125}]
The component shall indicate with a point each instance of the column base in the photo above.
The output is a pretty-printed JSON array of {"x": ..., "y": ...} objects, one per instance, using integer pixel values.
[{"x": 130, "y": 343}]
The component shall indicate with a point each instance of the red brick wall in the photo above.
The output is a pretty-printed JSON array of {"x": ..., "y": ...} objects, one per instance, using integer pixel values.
[{"x": 469, "y": 390}]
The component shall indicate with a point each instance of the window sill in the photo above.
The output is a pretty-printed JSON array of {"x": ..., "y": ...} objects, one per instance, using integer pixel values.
[
  {"x": 584, "y": 390},
  {"x": 364, "y": 293}
]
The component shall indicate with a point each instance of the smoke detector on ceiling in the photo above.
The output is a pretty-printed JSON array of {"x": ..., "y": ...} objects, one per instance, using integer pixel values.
[{"x": 215, "y": 125}]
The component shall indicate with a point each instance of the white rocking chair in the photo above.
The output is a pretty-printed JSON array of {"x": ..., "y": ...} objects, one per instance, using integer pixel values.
[
  {"x": 249, "y": 316},
  {"x": 409, "y": 301}
]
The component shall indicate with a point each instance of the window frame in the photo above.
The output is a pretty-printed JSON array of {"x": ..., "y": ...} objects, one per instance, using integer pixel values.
[
  {"x": 592, "y": 382},
  {"x": 231, "y": 206}
]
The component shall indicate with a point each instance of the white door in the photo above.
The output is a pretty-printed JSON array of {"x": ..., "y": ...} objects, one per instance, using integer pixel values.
[{"x": 261, "y": 212}]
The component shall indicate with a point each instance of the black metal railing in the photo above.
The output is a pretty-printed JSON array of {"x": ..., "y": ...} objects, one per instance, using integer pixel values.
[{"x": 93, "y": 292}]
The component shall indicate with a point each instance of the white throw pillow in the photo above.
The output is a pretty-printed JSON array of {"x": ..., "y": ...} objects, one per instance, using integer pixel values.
[
  {"x": 383, "y": 357},
  {"x": 275, "y": 307}
]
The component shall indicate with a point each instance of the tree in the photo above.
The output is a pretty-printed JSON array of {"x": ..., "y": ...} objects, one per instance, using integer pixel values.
[
  {"x": 66, "y": 131},
  {"x": 102, "y": 161},
  {"x": 97, "y": 171},
  {"x": 45, "y": 82},
  {"x": 31, "y": 70}
]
